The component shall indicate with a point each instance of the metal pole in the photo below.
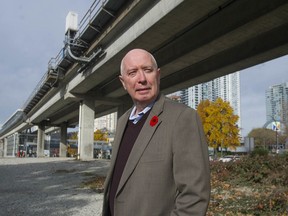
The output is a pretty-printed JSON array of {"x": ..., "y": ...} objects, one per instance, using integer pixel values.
[{"x": 277, "y": 150}]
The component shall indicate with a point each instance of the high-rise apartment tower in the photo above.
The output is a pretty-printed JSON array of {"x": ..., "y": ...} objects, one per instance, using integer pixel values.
[
  {"x": 277, "y": 103},
  {"x": 226, "y": 87}
]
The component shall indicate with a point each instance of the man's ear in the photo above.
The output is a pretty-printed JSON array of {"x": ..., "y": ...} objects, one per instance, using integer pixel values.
[
  {"x": 158, "y": 75},
  {"x": 122, "y": 81}
]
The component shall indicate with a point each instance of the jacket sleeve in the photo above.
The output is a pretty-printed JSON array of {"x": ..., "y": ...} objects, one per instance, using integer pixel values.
[{"x": 190, "y": 165}]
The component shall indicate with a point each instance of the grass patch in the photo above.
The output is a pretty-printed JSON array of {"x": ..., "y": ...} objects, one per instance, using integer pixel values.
[{"x": 96, "y": 183}]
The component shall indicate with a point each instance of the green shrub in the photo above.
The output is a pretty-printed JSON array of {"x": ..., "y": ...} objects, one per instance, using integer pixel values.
[
  {"x": 267, "y": 170},
  {"x": 259, "y": 152}
]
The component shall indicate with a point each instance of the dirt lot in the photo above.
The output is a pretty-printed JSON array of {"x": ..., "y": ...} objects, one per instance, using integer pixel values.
[{"x": 49, "y": 186}]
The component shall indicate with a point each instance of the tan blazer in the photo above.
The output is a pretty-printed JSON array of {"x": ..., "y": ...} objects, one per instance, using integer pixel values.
[{"x": 167, "y": 172}]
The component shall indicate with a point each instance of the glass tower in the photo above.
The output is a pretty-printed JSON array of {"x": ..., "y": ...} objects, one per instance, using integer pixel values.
[{"x": 277, "y": 103}]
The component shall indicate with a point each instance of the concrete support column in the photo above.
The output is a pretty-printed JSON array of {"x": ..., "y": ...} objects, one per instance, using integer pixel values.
[
  {"x": 1, "y": 148},
  {"x": 40, "y": 140},
  {"x": 63, "y": 140},
  {"x": 86, "y": 129},
  {"x": 5, "y": 146},
  {"x": 15, "y": 145}
]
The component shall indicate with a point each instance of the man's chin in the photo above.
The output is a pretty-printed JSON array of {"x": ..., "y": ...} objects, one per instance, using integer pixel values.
[{"x": 144, "y": 99}]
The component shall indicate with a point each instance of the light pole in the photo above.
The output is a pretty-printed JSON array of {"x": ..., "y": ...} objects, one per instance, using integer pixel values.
[
  {"x": 277, "y": 150},
  {"x": 276, "y": 130}
]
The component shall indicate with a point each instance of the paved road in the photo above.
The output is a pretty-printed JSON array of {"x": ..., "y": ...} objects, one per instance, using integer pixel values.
[{"x": 49, "y": 186}]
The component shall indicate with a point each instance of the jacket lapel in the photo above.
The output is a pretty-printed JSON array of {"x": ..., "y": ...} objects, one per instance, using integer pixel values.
[{"x": 142, "y": 141}]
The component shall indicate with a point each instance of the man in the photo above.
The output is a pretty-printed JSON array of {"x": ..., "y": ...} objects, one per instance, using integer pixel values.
[{"x": 160, "y": 163}]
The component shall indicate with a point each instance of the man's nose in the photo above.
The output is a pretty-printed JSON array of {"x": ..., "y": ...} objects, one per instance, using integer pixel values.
[{"x": 141, "y": 76}]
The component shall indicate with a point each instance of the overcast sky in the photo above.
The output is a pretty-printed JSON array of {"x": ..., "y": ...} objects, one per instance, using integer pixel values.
[
  {"x": 32, "y": 32},
  {"x": 254, "y": 82}
]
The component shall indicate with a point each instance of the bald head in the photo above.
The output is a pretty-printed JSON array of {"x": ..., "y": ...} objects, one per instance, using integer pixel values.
[{"x": 135, "y": 53}]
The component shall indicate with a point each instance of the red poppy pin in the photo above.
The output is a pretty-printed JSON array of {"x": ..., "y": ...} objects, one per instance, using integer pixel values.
[{"x": 153, "y": 121}]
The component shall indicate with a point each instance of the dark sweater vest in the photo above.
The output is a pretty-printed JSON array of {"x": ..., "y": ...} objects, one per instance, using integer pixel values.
[{"x": 129, "y": 137}]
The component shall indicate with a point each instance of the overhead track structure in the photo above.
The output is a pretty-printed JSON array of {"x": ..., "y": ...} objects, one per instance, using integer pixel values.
[{"x": 193, "y": 42}]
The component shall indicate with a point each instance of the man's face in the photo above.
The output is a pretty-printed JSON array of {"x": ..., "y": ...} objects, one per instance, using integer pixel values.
[{"x": 140, "y": 77}]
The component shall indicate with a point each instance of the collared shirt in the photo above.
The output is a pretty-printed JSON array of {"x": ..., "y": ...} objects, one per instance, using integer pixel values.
[{"x": 136, "y": 118}]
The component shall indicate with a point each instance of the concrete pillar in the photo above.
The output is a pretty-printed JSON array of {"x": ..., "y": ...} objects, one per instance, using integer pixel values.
[
  {"x": 86, "y": 129},
  {"x": 63, "y": 140},
  {"x": 1, "y": 147},
  {"x": 5, "y": 146},
  {"x": 15, "y": 145},
  {"x": 40, "y": 140}
]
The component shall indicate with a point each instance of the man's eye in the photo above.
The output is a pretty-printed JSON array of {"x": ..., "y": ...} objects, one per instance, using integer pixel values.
[
  {"x": 131, "y": 73},
  {"x": 148, "y": 70}
]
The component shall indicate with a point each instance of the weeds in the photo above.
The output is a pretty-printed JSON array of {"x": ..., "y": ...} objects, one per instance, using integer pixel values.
[
  {"x": 251, "y": 186},
  {"x": 255, "y": 185}
]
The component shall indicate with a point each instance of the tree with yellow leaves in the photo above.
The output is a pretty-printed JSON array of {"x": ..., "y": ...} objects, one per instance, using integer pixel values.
[
  {"x": 99, "y": 135},
  {"x": 219, "y": 123},
  {"x": 73, "y": 135}
]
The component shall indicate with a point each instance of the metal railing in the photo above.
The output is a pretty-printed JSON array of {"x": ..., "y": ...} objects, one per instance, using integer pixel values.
[
  {"x": 36, "y": 89},
  {"x": 16, "y": 117},
  {"x": 94, "y": 9}
]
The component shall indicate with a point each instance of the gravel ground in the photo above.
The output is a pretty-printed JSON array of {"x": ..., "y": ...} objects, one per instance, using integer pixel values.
[{"x": 49, "y": 186}]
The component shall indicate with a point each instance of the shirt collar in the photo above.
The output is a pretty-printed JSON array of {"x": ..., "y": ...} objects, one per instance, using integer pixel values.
[{"x": 136, "y": 118}]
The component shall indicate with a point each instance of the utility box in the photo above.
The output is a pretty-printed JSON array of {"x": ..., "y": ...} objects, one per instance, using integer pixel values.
[{"x": 71, "y": 22}]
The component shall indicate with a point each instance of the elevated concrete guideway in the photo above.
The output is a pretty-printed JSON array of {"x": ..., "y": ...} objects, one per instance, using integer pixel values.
[{"x": 193, "y": 42}]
